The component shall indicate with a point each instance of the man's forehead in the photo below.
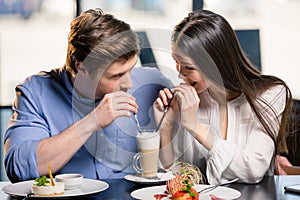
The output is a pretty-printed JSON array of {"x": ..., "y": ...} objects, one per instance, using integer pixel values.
[{"x": 121, "y": 66}]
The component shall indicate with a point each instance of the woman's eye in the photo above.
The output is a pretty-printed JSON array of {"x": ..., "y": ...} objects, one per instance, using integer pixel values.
[{"x": 177, "y": 65}]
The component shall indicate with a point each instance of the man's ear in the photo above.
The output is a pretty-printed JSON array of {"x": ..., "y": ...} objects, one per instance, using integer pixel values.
[{"x": 79, "y": 67}]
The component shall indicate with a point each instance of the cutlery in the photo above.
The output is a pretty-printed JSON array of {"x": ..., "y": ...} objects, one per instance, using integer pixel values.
[
  {"x": 210, "y": 188},
  {"x": 137, "y": 122},
  {"x": 164, "y": 114},
  {"x": 28, "y": 196}
]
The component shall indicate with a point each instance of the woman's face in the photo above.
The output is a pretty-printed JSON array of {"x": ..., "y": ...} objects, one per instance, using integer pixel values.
[{"x": 190, "y": 73}]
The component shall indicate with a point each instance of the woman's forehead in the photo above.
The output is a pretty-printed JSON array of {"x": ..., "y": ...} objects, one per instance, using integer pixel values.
[{"x": 182, "y": 58}]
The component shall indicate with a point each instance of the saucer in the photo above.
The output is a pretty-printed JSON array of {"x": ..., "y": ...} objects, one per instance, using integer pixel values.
[{"x": 137, "y": 178}]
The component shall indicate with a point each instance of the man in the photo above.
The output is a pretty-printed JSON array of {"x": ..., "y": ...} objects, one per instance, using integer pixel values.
[{"x": 67, "y": 117}]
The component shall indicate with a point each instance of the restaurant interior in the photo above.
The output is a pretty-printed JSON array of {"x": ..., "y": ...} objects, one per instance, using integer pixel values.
[{"x": 33, "y": 37}]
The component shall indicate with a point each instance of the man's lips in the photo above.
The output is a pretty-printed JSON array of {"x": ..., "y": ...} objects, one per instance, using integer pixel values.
[{"x": 193, "y": 84}]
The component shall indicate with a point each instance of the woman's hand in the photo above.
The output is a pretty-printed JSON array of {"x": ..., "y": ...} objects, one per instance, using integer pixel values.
[
  {"x": 189, "y": 104},
  {"x": 160, "y": 105}
]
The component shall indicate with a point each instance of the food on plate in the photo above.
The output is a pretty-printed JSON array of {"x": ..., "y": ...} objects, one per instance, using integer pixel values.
[
  {"x": 160, "y": 196},
  {"x": 213, "y": 197},
  {"x": 181, "y": 188},
  {"x": 44, "y": 187},
  {"x": 183, "y": 195},
  {"x": 191, "y": 171}
]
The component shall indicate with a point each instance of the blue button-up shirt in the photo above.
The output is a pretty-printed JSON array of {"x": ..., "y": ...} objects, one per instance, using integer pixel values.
[{"x": 46, "y": 104}]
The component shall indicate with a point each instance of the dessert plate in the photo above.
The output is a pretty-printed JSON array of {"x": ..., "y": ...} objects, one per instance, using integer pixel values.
[
  {"x": 88, "y": 186},
  {"x": 220, "y": 192},
  {"x": 137, "y": 178}
]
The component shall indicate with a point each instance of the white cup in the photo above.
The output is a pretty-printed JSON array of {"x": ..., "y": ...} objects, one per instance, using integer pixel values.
[
  {"x": 72, "y": 181},
  {"x": 146, "y": 160}
]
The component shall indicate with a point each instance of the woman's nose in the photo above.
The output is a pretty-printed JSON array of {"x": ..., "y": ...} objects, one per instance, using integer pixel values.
[{"x": 180, "y": 76}]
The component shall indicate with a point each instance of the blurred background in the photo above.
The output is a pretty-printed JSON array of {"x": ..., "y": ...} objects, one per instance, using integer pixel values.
[{"x": 33, "y": 36}]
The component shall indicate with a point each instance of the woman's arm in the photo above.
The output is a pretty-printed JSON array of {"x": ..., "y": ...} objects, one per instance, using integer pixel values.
[{"x": 251, "y": 157}]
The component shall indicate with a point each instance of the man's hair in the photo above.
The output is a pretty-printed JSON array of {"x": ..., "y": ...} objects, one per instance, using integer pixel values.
[{"x": 98, "y": 40}]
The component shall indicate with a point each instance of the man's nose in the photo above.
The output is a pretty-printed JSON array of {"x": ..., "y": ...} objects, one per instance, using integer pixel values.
[{"x": 126, "y": 82}]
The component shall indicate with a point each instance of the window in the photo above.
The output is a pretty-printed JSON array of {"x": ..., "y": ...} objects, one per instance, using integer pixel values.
[
  {"x": 33, "y": 37},
  {"x": 278, "y": 24}
]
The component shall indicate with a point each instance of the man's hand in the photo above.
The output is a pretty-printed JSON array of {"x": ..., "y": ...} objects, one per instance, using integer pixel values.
[{"x": 114, "y": 105}]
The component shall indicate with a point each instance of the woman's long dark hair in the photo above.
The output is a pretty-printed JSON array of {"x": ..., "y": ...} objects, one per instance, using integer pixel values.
[{"x": 210, "y": 41}]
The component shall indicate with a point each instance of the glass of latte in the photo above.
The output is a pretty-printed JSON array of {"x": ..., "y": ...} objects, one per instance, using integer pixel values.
[{"x": 145, "y": 161}]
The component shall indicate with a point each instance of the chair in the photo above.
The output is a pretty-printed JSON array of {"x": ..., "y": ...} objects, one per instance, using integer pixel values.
[
  {"x": 293, "y": 140},
  {"x": 145, "y": 101},
  {"x": 250, "y": 43},
  {"x": 5, "y": 113},
  {"x": 289, "y": 164}
]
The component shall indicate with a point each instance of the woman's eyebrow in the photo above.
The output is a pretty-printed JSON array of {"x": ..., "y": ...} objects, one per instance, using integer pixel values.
[{"x": 187, "y": 64}]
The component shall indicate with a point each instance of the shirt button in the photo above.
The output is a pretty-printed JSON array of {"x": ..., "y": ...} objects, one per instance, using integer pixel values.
[{"x": 101, "y": 134}]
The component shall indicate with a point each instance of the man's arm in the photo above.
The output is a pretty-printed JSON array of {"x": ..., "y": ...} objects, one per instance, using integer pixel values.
[{"x": 28, "y": 147}]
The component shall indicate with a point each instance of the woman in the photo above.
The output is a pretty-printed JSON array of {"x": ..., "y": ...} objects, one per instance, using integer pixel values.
[{"x": 227, "y": 118}]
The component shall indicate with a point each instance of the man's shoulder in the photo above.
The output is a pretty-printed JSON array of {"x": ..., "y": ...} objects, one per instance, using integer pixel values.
[{"x": 41, "y": 79}]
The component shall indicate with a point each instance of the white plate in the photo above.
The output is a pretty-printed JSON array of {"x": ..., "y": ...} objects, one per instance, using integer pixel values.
[
  {"x": 220, "y": 192},
  {"x": 137, "y": 178},
  {"x": 88, "y": 186}
]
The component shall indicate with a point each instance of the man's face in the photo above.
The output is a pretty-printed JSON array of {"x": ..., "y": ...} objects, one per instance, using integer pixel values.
[{"x": 116, "y": 77}]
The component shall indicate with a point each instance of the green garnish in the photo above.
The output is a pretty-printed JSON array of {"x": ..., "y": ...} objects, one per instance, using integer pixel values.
[
  {"x": 42, "y": 181},
  {"x": 188, "y": 187}
]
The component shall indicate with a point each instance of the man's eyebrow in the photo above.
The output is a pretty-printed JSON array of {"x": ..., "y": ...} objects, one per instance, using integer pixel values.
[{"x": 122, "y": 72}]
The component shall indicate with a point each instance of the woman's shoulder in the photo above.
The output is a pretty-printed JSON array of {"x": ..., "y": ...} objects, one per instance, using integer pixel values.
[{"x": 274, "y": 93}]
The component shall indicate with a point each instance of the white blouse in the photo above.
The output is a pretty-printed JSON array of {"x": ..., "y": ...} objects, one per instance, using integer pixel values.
[{"x": 247, "y": 152}]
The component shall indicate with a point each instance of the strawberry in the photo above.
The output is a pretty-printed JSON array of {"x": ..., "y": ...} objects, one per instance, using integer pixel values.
[{"x": 184, "y": 195}]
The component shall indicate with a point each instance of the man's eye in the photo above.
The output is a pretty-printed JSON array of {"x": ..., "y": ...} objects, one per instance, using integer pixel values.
[
  {"x": 189, "y": 68},
  {"x": 117, "y": 76}
]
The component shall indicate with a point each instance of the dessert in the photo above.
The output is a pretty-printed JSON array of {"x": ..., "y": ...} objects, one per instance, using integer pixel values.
[
  {"x": 43, "y": 187},
  {"x": 183, "y": 195},
  {"x": 191, "y": 171},
  {"x": 180, "y": 188}
]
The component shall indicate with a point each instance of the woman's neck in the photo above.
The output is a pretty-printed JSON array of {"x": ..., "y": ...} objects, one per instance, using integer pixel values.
[{"x": 222, "y": 96}]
